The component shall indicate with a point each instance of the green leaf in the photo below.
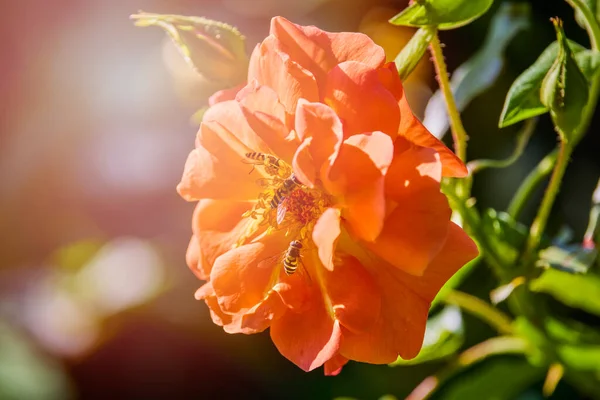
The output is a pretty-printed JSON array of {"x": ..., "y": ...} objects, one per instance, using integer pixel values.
[
  {"x": 579, "y": 291},
  {"x": 480, "y": 72},
  {"x": 584, "y": 358},
  {"x": 594, "y": 6},
  {"x": 523, "y": 98},
  {"x": 565, "y": 90},
  {"x": 569, "y": 258},
  {"x": 571, "y": 332},
  {"x": 505, "y": 235},
  {"x": 577, "y": 345},
  {"x": 498, "y": 378},
  {"x": 413, "y": 52},
  {"x": 445, "y": 14},
  {"x": 443, "y": 337},
  {"x": 215, "y": 49}
]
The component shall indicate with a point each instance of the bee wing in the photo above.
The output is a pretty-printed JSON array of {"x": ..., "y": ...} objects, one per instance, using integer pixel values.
[
  {"x": 281, "y": 210},
  {"x": 274, "y": 259}
]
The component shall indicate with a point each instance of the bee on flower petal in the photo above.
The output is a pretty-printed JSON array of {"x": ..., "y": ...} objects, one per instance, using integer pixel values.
[
  {"x": 291, "y": 260},
  {"x": 273, "y": 165},
  {"x": 292, "y": 257}
]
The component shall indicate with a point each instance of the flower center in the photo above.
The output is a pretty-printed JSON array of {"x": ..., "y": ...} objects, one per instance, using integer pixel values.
[{"x": 284, "y": 202}]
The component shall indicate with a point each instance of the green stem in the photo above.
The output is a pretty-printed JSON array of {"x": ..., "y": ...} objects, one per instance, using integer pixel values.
[
  {"x": 531, "y": 182},
  {"x": 591, "y": 24},
  {"x": 539, "y": 223},
  {"x": 413, "y": 52},
  {"x": 479, "y": 308},
  {"x": 479, "y": 352},
  {"x": 522, "y": 140},
  {"x": 459, "y": 135}
]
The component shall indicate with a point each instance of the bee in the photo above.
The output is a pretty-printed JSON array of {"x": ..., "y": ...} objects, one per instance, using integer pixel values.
[
  {"x": 292, "y": 257},
  {"x": 287, "y": 186},
  {"x": 273, "y": 165},
  {"x": 284, "y": 190},
  {"x": 291, "y": 261}
]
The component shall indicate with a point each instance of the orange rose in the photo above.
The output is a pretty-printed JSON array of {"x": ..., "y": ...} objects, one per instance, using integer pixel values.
[{"x": 341, "y": 168}]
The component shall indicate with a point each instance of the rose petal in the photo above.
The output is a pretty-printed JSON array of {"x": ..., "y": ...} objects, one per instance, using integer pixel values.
[
  {"x": 357, "y": 179},
  {"x": 405, "y": 304},
  {"x": 319, "y": 51},
  {"x": 304, "y": 165},
  {"x": 267, "y": 117},
  {"x": 413, "y": 130},
  {"x": 354, "y": 91},
  {"x": 389, "y": 78},
  {"x": 230, "y": 323},
  {"x": 458, "y": 250},
  {"x": 224, "y": 95},
  {"x": 334, "y": 366},
  {"x": 307, "y": 339},
  {"x": 325, "y": 236},
  {"x": 259, "y": 317},
  {"x": 275, "y": 69},
  {"x": 414, "y": 234},
  {"x": 398, "y": 331},
  {"x": 241, "y": 277},
  {"x": 228, "y": 117},
  {"x": 416, "y": 229},
  {"x": 353, "y": 294},
  {"x": 192, "y": 259},
  {"x": 218, "y": 225},
  {"x": 414, "y": 169},
  {"x": 215, "y": 170},
  {"x": 321, "y": 131}
]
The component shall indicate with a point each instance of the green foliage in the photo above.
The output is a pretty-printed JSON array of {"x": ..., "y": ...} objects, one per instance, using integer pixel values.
[
  {"x": 594, "y": 6},
  {"x": 505, "y": 236},
  {"x": 583, "y": 358},
  {"x": 580, "y": 291},
  {"x": 564, "y": 89},
  {"x": 523, "y": 99},
  {"x": 445, "y": 14},
  {"x": 480, "y": 72},
  {"x": 501, "y": 378},
  {"x": 574, "y": 345},
  {"x": 444, "y": 337},
  {"x": 414, "y": 50}
]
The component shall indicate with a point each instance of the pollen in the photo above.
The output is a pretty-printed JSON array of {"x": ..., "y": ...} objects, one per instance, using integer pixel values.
[{"x": 302, "y": 206}]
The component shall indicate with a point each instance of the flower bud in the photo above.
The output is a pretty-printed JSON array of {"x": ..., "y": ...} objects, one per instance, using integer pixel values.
[
  {"x": 214, "y": 49},
  {"x": 564, "y": 90}
]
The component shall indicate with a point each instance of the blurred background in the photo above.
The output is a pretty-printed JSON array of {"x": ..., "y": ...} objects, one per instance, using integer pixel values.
[{"x": 96, "y": 301}]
